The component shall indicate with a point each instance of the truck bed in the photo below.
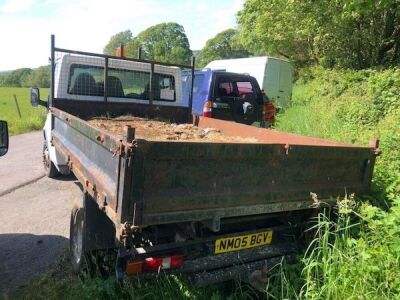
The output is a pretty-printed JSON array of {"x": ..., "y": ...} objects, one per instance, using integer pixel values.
[
  {"x": 159, "y": 181},
  {"x": 158, "y": 130}
]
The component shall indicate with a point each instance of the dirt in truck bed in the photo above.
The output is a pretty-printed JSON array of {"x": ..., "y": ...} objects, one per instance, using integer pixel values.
[{"x": 158, "y": 130}]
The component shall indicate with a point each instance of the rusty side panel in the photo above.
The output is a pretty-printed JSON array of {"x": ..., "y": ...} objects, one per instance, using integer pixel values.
[
  {"x": 196, "y": 181},
  {"x": 94, "y": 156},
  {"x": 269, "y": 136}
]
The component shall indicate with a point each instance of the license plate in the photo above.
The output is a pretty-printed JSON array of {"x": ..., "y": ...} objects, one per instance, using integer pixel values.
[{"x": 240, "y": 242}]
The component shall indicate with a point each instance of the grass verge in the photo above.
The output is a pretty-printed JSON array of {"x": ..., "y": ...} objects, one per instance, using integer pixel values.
[
  {"x": 62, "y": 283},
  {"x": 32, "y": 118}
]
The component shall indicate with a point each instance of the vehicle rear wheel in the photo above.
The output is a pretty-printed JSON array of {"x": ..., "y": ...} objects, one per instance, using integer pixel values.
[
  {"x": 91, "y": 239},
  {"x": 77, "y": 237},
  {"x": 49, "y": 167}
]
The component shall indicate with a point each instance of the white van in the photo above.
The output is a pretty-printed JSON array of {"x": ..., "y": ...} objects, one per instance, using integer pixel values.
[{"x": 274, "y": 75}]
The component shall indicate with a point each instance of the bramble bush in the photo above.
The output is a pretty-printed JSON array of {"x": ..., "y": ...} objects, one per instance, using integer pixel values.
[{"x": 356, "y": 257}]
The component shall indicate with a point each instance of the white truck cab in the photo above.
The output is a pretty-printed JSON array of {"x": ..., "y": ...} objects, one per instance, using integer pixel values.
[{"x": 81, "y": 78}]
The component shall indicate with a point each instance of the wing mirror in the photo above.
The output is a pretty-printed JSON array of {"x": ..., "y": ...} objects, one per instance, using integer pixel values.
[
  {"x": 3, "y": 138},
  {"x": 35, "y": 98}
]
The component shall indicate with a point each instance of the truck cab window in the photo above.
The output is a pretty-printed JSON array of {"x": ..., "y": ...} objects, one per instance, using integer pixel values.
[
  {"x": 164, "y": 87},
  {"x": 121, "y": 83},
  {"x": 85, "y": 80}
]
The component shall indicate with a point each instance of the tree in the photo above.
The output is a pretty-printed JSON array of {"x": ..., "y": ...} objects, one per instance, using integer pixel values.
[
  {"x": 16, "y": 78},
  {"x": 345, "y": 33},
  {"x": 132, "y": 48},
  {"x": 123, "y": 37},
  {"x": 40, "y": 77},
  {"x": 166, "y": 42},
  {"x": 224, "y": 45},
  {"x": 26, "y": 77}
]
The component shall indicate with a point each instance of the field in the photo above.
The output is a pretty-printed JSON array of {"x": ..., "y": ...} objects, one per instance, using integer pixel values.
[{"x": 32, "y": 118}]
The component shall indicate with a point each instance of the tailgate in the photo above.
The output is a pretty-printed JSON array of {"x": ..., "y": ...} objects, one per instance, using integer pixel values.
[{"x": 176, "y": 182}]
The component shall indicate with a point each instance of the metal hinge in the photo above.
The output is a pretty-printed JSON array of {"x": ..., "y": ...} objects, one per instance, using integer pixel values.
[{"x": 125, "y": 149}]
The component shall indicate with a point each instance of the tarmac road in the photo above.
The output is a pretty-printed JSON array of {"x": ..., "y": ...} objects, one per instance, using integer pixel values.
[
  {"x": 22, "y": 164},
  {"x": 34, "y": 213}
]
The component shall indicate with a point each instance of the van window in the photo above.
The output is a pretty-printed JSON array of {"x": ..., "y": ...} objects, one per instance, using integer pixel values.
[
  {"x": 226, "y": 89},
  {"x": 122, "y": 83},
  {"x": 244, "y": 87},
  {"x": 232, "y": 86}
]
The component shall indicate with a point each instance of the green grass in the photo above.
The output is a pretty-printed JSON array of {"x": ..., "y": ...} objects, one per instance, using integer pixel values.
[
  {"x": 62, "y": 283},
  {"x": 352, "y": 107},
  {"x": 356, "y": 257},
  {"x": 32, "y": 118}
]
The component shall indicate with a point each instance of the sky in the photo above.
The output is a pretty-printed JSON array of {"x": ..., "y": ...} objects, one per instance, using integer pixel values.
[{"x": 87, "y": 25}]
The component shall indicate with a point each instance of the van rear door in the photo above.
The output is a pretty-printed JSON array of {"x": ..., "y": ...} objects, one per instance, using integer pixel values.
[
  {"x": 285, "y": 83},
  {"x": 271, "y": 81},
  {"x": 236, "y": 98}
]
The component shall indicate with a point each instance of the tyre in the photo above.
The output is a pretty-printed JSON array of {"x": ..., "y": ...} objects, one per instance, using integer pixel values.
[
  {"x": 91, "y": 238},
  {"x": 77, "y": 236},
  {"x": 49, "y": 168}
]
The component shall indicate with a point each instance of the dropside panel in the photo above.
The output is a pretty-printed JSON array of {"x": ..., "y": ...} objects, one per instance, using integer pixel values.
[{"x": 195, "y": 181}]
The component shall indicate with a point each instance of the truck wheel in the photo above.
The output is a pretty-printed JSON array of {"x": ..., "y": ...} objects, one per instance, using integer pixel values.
[
  {"x": 91, "y": 237},
  {"x": 49, "y": 168},
  {"x": 77, "y": 237}
]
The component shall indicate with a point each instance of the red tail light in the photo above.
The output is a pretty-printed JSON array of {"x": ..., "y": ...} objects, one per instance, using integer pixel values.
[
  {"x": 154, "y": 264},
  {"x": 207, "y": 109},
  {"x": 177, "y": 261},
  {"x": 269, "y": 113}
]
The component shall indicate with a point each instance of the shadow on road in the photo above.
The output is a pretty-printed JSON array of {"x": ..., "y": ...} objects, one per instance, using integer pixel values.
[
  {"x": 24, "y": 257},
  {"x": 70, "y": 177}
]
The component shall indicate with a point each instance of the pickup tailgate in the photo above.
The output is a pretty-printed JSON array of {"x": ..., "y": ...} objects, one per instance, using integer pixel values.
[{"x": 178, "y": 181}]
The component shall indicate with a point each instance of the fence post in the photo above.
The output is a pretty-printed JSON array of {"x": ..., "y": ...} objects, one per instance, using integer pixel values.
[{"x": 17, "y": 106}]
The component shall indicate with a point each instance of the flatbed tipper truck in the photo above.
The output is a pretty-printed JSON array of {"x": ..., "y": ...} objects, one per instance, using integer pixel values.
[{"x": 214, "y": 210}]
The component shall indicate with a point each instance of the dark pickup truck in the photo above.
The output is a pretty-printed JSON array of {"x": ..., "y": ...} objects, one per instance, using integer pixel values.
[{"x": 213, "y": 210}]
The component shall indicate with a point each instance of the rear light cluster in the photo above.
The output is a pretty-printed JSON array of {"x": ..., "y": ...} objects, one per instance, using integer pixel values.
[
  {"x": 269, "y": 113},
  {"x": 154, "y": 264},
  {"x": 207, "y": 109}
]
